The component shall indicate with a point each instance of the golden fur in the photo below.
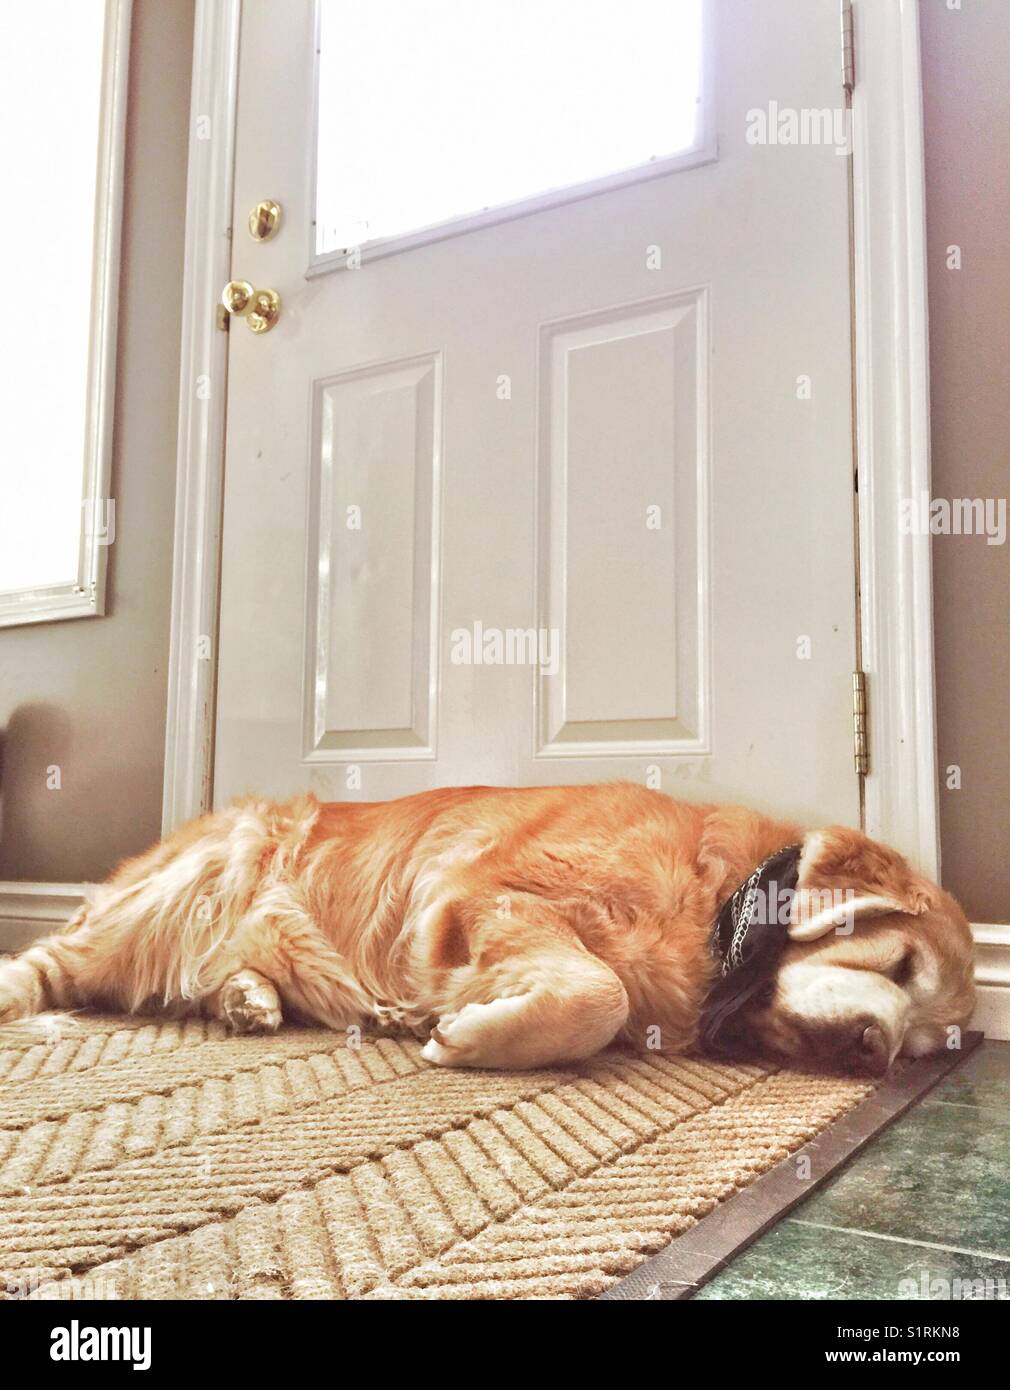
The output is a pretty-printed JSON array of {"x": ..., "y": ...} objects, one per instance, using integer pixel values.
[{"x": 522, "y": 927}]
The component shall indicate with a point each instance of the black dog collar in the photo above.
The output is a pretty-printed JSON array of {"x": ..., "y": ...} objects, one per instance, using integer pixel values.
[{"x": 748, "y": 939}]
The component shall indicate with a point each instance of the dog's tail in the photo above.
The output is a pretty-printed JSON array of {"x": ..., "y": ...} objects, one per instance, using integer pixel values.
[{"x": 159, "y": 932}]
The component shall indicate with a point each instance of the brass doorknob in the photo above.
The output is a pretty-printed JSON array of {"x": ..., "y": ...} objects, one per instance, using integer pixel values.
[{"x": 260, "y": 308}]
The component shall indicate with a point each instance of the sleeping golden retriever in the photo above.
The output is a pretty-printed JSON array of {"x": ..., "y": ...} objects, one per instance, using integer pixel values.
[{"x": 521, "y": 928}]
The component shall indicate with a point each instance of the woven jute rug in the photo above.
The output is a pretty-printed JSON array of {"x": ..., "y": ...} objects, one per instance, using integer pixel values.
[{"x": 170, "y": 1161}]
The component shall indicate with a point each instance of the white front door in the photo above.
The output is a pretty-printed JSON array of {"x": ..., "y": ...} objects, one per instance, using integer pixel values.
[{"x": 561, "y": 492}]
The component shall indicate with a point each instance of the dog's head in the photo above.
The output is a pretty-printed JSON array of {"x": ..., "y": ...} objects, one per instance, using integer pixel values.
[{"x": 879, "y": 963}]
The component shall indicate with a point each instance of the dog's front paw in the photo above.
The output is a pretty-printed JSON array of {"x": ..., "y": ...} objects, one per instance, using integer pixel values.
[
  {"x": 439, "y": 1048},
  {"x": 479, "y": 1035},
  {"x": 250, "y": 1004}
]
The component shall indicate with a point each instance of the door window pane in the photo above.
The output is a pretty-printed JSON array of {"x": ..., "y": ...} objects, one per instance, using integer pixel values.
[{"x": 431, "y": 110}]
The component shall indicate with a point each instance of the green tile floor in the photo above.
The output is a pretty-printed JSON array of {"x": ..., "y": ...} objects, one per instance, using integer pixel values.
[{"x": 925, "y": 1204}]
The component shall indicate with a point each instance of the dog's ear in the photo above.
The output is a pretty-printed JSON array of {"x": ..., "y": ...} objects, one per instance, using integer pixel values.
[{"x": 845, "y": 876}]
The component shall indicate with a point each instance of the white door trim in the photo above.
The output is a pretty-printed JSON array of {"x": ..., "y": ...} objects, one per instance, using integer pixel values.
[
  {"x": 203, "y": 379},
  {"x": 892, "y": 394},
  {"x": 892, "y": 434}
]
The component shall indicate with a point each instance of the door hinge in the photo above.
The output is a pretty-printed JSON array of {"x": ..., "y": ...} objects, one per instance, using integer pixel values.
[
  {"x": 848, "y": 49},
  {"x": 223, "y": 319},
  {"x": 860, "y": 725}
]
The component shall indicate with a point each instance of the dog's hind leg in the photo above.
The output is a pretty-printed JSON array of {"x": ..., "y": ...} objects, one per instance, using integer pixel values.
[
  {"x": 155, "y": 936},
  {"x": 164, "y": 933},
  {"x": 31, "y": 983},
  {"x": 45, "y": 976}
]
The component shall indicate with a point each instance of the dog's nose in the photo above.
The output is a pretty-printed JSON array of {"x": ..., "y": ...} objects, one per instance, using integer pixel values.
[{"x": 873, "y": 1051}]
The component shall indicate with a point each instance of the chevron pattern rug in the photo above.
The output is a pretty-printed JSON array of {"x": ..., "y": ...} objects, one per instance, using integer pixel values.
[{"x": 168, "y": 1160}]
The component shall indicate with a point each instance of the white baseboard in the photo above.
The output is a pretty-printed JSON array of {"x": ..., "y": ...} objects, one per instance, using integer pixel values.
[
  {"x": 992, "y": 976},
  {"x": 31, "y": 910}
]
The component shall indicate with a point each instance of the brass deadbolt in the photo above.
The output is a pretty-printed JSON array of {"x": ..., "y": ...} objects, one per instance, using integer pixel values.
[{"x": 264, "y": 220}]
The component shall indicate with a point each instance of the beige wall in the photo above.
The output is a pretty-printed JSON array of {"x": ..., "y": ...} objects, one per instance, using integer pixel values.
[
  {"x": 966, "y": 79},
  {"x": 89, "y": 695}
]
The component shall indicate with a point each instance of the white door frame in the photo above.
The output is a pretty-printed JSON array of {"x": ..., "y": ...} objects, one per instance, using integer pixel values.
[
  {"x": 892, "y": 428},
  {"x": 203, "y": 381},
  {"x": 892, "y": 394}
]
